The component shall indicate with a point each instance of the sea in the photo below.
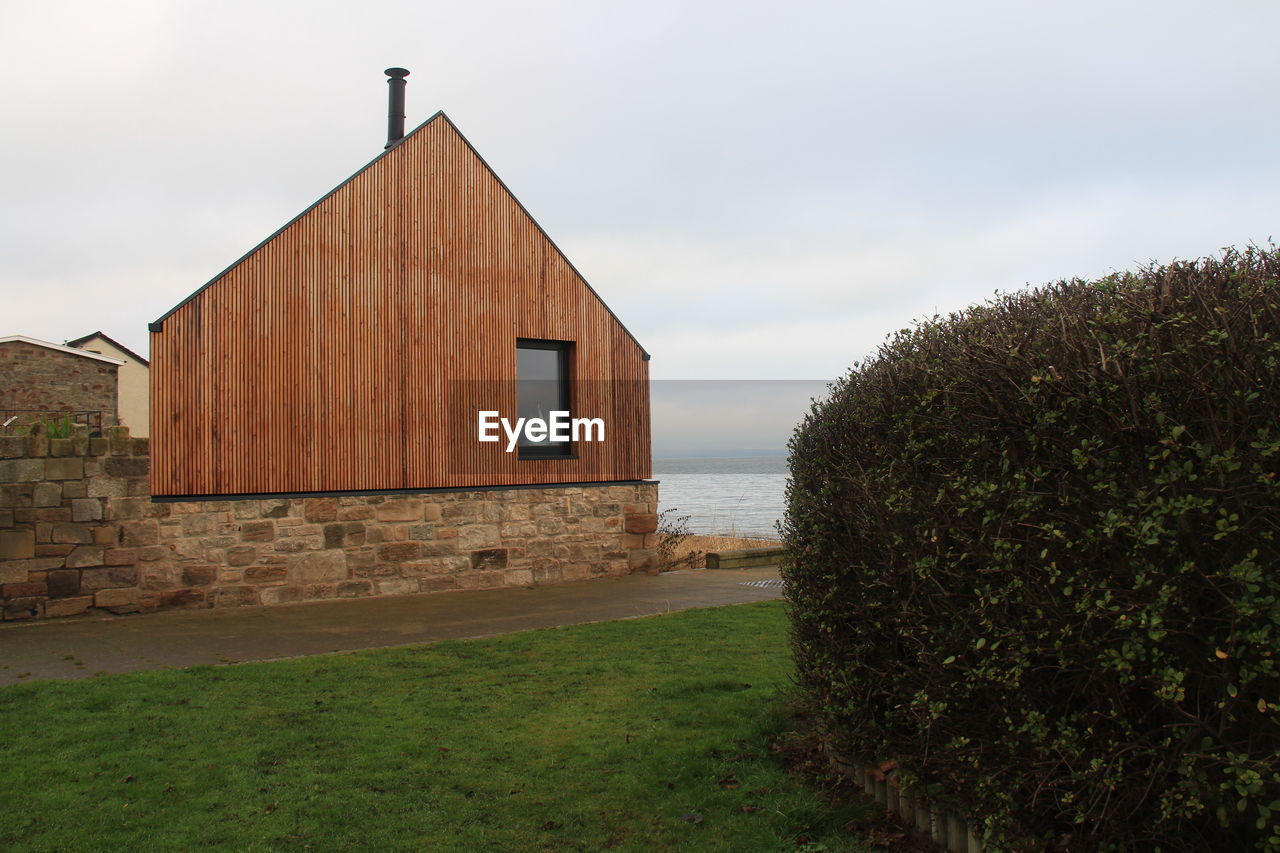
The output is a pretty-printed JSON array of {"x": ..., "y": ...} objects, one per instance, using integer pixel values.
[{"x": 736, "y": 496}]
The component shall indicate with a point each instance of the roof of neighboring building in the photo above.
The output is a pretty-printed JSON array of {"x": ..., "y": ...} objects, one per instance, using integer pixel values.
[
  {"x": 60, "y": 348},
  {"x": 124, "y": 349}
]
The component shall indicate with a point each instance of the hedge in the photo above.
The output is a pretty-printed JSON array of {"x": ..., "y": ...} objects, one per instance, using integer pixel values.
[{"x": 1035, "y": 559}]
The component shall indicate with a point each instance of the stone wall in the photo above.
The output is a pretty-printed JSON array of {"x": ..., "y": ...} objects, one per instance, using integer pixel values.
[
  {"x": 36, "y": 377},
  {"x": 79, "y": 532}
]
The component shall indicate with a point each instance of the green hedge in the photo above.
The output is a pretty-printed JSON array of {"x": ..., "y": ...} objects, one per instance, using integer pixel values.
[{"x": 1035, "y": 558}]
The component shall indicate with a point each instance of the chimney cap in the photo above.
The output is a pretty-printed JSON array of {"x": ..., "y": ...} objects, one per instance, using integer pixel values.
[{"x": 397, "y": 73}]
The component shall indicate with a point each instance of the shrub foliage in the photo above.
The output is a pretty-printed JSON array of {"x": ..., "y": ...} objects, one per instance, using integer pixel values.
[{"x": 1036, "y": 562}]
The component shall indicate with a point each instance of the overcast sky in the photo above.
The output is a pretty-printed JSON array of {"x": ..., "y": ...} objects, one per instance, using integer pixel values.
[{"x": 759, "y": 191}]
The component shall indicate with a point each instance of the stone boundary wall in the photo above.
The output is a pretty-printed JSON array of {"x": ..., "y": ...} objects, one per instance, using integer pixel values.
[{"x": 80, "y": 533}]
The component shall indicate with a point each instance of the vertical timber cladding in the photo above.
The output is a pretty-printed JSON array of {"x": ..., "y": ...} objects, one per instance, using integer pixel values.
[{"x": 324, "y": 359}]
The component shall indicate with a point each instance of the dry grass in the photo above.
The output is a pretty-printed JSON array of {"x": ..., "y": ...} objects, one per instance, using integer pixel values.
[{"x": 701, "y": 545}]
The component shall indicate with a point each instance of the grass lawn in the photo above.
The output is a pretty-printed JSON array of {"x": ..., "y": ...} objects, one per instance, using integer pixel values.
[{"x": 647, "y": 734}]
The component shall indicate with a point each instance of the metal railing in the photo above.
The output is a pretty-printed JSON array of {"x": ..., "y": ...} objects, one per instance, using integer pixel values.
[{"x": 54, "y": 420}]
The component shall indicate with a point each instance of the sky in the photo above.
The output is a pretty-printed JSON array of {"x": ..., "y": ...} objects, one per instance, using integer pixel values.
[{"x": 760, "y": 191}]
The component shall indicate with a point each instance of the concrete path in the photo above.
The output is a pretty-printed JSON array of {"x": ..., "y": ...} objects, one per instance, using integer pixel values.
[{"x": 82, "y": 648}]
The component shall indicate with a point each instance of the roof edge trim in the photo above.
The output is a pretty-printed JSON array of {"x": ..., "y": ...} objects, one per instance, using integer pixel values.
[
  {"x": 100, "y": 334},
  {"x": 60, "y": 348},
  {"x": 158, "y": 324},
  {"x": 483, "y": 162}
]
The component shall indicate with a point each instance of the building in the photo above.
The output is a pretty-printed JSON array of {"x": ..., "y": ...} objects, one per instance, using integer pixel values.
[
  {"x": 354, "y": 348},
  {"x": 347, "y": 366},
  {"x": 38, "y": 378},
  {"x": 133, "y": 386}
]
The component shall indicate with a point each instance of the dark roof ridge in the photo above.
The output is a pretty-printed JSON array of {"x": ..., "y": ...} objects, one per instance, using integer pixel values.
[{"x": 100, "y": 334}]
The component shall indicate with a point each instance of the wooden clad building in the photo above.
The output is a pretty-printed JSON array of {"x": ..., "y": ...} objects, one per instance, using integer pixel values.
[{"x": 354, "y": 349}]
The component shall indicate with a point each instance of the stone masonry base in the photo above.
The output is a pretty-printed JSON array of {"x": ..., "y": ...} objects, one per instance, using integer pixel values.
[{"x": 79, "y": 532}]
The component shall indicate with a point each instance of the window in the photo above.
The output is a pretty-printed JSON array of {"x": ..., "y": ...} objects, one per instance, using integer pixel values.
[{"x": 542, "y": 387}]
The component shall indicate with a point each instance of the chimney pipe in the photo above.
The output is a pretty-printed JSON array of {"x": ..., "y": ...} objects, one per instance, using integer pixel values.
[{"x": 395, "y": 104}]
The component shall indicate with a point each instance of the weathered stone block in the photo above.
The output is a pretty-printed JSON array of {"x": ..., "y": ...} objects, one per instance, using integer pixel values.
[
  {"x": 86, "y": 509},
  {"x": 266, "y": 574},
  {"x": 106, "y": 535},
  {"x": 642, "y": 523},
  {"x": 643, "y": 560},
  {"x": 358, "y": 512},
  {"x": 118, "y": 438},
  {"x": 106, "y": 578},
  {"x": 69, "y": 532},
  {"x": 19, "y": 571},
  {"x": 18, "y": 609},
  {"x": 314, "y": 591},
  {"x": 280, "y": 594},
  {"x": 46, "y": 494},
  {"x": 257, "y": 531},
  {"x": 21, "y": 470},
  {"x": 488, "y": 559},
  {"x": 355, "y": 589},
  {"x": 476, "y": 536},
  {"x": 320, "y": 510},
  {"x": 122, "y": 509},
  {"x": 398, "y": 552},
  {"x": 17, "y": 544},
  {"x": 479, "y": 580},
  {"x": 182, "y": 598},
  {"x": 61, "y": 447},
  {"x": 399, "y": 509},
  {"x": 63, "y": 583},
  {"x": 63, "y": 469},
  {"x": 344, "y": 534},
  {"x": 197, "y": 525},
  {"x": 431, "y": 512},
  {"x": 116, "y": 597},
  {"x": 518, "y": 577},
  {"x": 241, "y": 555},
  {"x": 438, "y": 583},
  {"x": 106, "y": 487},
  {"x": 84, "y": 556},
  {"x": 316, "y": 566},
  {"x": 397, "y": 586},
  {"x": 235, "y": 596},
  {"x": 12, "y": 445},
  {"x": 59, "y": 607},
  {"x": 421, "y": 532},
  {"x": 199, "y": 574},
  {"x": 23, "y": 590},
  {"x": 159, "y": 576},
  {"x": 136, "y": 533},
  {"x": 120, "y": 557},
  {"x": 275, "y": 508}
]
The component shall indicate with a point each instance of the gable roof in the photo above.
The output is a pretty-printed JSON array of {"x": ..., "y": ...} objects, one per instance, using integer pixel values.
[
  {"x": 124, "y": 349},
  {"x": 158, "y": 324},
  {"x": 60, "y": 348}
]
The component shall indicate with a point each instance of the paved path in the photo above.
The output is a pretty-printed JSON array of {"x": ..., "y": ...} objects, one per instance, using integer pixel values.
[{"x": 81, "y": 648}]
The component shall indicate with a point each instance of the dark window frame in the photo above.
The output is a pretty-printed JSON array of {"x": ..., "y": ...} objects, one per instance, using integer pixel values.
[{"x": 550, "y": 450}]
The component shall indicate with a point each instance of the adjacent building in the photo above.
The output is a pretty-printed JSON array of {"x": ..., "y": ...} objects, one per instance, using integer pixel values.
[
  {"x": 39, "y": 378},
  {"x": 133, "y": 381}
]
